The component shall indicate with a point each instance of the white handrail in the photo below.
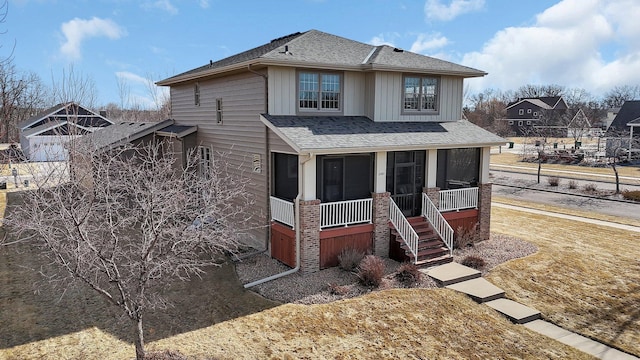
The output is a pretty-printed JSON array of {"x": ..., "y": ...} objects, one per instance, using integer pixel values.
[
  {"x": 407, "y": 233},
  {"x": 435, "y": 218},
  {"x": 458, "y": 199},
  {"x": 345, "y": 213},
  {"x": 282, "y": 211}
]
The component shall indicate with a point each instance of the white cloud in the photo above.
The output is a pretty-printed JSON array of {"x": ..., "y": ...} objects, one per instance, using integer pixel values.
[
  {"x": 129, "y": 76},
  {"x": 435, "y": 10},
  {"x": 381, "y": 40},
  {"x": 164, "y": 5},
  {"x": 590, "y": 44},
  {"x": 204, "y": 4},
  {"x": 78, "y": 30},
  {"x": 426, "y": 42}
]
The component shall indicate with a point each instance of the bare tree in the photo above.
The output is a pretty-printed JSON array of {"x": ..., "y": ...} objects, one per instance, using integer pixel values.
[
  {"x": 21, "y": 95},
  {"x": 529, "y": 91},
  {"x": 619, "y": 94},
  {"x": 73, "y": 86},
  {"x": 618, "y": 146},
  {"x": 131, "y": 221}
]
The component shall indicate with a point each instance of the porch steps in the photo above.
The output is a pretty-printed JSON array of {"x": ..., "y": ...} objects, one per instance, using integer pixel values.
[{"x": 431, "y": 250}]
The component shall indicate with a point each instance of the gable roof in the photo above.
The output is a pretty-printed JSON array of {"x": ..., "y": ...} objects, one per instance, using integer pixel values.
[
  {"x": 317, "y": 49},
  {"x": 629, "y": 113},
  {"x": 61, "y": 113},
  {"x": 122, "y": 132},
  {"x": 543, "y": 102},
  {"x": 340, "y": 134}
]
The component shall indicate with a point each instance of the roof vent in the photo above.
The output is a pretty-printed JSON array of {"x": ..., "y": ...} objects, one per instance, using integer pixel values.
[
  {"x": 210, "y": 63},
  {"x": 397, "y": 50}
]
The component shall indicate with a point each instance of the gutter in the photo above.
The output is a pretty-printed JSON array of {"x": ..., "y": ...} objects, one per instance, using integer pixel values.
[{"x": 298, "y": 230}]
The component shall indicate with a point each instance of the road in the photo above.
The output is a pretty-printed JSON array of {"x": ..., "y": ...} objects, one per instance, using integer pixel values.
[{"x": 524, "y": 187}]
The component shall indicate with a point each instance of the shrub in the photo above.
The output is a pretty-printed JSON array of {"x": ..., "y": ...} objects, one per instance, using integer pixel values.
[
  {"x": 553, "y": 180},
  {"x": 465, "y": 237},
  {"x": 335, "y": 289},
  {"x": 408, "y": 274},
  {"x": 350, "y": 258},
  {"x": 473, "y": 261},
  {"x": 573, "y": 184},
  {"x": 371, "y": 271},
  {"x": 633, "y": 195},
  {"x": 590, "y": 188},
  {"x": 164, "y": 355}
]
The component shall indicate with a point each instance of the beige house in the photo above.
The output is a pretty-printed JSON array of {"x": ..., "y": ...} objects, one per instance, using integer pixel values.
[{"x": 345, "y": 144}]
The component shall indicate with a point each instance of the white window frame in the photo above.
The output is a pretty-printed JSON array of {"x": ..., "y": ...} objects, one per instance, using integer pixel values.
[
  {"x": 528, "y": 122},
  {"x": 535, "y": 113},
  {"x": 322, "y": 91},
  {"x": 219, "y": 111},
  {"x": 528, "y": 111},
  {"x": 510, "y": 122},
  {"x": 521, "y": 112},
  {"x": 520, "y": 123},
  {"x": 196, "y": 94},
  {"x": 416, "y": 102}
]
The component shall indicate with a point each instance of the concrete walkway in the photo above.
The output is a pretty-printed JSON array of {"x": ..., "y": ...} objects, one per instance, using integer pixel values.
[{"x": 468, "y": 281}]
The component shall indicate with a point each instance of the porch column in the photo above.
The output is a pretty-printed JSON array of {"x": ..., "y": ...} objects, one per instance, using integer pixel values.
[
  {"x": 484, "y": 211},
  {"x": 485, "y": 155},
  {"x": 433, "y": 194},
  {"x": 308, "y": 177},
  {"x": 380, "y": 179},
  {"x": 309, "y": 236},
  {"x": 381, "y": 223},
  {"x": 431, "y": 168}
]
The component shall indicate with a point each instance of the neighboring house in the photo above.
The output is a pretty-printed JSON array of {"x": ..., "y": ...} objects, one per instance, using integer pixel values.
[
  {"x": 626, "y": 127},
  {"x": 546, "y": 115},
  {"x": 43, "y": 137},
  {"x": 339, "y": 139}
]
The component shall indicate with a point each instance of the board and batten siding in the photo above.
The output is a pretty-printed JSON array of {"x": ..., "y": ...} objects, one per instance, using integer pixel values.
[
  {"x": 388, "y": 99},
  {"x": 241, "y": 136}
]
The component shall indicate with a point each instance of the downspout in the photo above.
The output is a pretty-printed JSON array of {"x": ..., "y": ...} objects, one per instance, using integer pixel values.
[{"x": 297, "y": 225}]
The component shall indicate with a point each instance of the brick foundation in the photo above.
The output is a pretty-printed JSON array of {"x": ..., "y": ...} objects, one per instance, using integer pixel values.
[
  {"x": 309, "y": 236},
  {"x": 380, "y": 222},
  {"x": 433, "y": 194},
  {"x": 484, "y": 211}
]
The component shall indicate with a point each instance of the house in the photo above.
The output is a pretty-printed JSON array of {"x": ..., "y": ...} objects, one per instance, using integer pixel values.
[
  {"x": 626, "y": 127},
  {"x": 345, "y": 144},
  {"x": 43, "y": 136},
  {"x": 548, "y": 115}
]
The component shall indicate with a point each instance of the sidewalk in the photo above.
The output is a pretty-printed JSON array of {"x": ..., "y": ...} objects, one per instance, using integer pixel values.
[{"x": 468, "y": 281}]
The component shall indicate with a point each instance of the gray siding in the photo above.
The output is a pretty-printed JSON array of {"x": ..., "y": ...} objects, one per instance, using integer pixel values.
[
  {"x": 388, "y": 99},
  {"x": 354, "y": 94},
  {"x": 241, "y": 135},
  {"x": 282, "y": 91}
]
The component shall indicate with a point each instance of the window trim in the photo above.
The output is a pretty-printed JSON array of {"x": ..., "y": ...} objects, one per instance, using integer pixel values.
[
  {"x": 528, "y": 111},
  {"x": 420, "y": 110},
  {"x": 219, "y": 111},
  {"x": 510, "y": 122},
  {"x": 319, "y": 73},
  {"x": 520, "y": 111},
  {"x": 204, "y": 160},
  {"x": 520, "y": 123}
]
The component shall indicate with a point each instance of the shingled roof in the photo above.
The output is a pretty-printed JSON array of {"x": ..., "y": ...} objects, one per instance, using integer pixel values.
[
  {"x": 315, "y": 48},
  {"x": 339, "y": 134}
]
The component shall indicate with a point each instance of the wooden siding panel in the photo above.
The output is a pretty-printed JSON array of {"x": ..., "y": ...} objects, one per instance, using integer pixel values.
[
  {"x": 240, "y": 136},
  {"x": 283, "y": 244},
  {"x": 354, "y": 94},
  {"x": 334, "y": 241}
]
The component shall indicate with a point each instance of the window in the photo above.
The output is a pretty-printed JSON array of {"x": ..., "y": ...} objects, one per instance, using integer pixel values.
[
  {"x": 510, "y": 122},
  {"x": 535, "y": 113},
  {"x": 347, "y": 177},
  {"x": 520, "y": 123},
  {"x": 528, "y": 122},
  {"x": 318, "y": 91},
  {"x": 458, "y": 168},
  {"x": 219, "y": 111},
  {"x": 420, "y": 93},
  {"x": 528, "y": 111},
  {"x": 204, "y": 165},
  {"x": 521, "y": 112},
  {"x": 196, "y": 94},
  {"x": 285, "y": 176}
]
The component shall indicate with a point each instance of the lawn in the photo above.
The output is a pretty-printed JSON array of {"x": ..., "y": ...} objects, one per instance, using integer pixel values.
[{"x": 585, "y": 277}]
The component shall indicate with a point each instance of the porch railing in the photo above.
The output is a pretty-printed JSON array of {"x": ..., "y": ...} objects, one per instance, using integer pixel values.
[
  {"x": 282, "y": 211},
  {"x": 440, "y": 225},
  {"x": 458, "y": 199},
  {"x": 407, "y": 233},
  {"x": 345, "y": 213}
]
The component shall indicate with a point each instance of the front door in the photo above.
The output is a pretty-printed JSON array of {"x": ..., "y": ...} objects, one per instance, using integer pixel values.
[{"x": 405, "y": 180}]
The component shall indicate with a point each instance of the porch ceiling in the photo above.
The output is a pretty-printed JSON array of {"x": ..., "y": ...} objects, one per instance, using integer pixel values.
[{"x": 341, "y": 134}]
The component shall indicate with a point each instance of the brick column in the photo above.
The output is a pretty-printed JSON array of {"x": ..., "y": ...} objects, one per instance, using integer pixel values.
[
  {"x": 381, "y": 223},
  {"x": 484, "y": 211},
  {"x": 433, "y": 194},
  {"x": 309, "y": 236}
]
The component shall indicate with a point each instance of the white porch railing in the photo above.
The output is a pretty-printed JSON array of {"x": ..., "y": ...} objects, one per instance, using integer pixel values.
[
  {"x": 438, "y": 222},
  {"x": 282, "y": 211},
  {"x": 458, "y": 199},
  {"x": 407, "y": 233},
  {"x": 345, "y": 213}
]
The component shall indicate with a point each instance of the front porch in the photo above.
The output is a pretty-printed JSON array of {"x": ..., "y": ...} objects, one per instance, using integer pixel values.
[{"x": 371, "y": 225}]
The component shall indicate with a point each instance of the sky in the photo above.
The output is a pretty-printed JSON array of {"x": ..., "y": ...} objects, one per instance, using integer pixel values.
[{"x": 588, "y": 44}]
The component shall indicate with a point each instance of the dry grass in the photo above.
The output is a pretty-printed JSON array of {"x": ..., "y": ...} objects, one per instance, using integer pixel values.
[
  {"x": 584, "y": 277},
  {"x": 391, "y": 324}
]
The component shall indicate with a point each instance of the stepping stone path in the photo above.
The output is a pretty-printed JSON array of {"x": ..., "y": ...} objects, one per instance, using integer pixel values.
[{"x": 469, "y": 281}]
